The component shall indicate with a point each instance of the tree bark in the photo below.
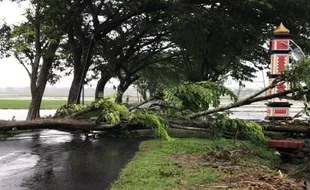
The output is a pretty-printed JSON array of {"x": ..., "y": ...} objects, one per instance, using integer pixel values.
[
  {"x": 64, "y": 125},
  {"x": 75, "y": 89},
  {"x": 33, "y": 110},
  {"x": 144, "y": 95},
  {"x": 289, "y": 126},
  {"x": 78, "y": 82},
  {"x": 68, "y": 124},
  {"x": 123, "y": 86},
  {"x": 247, "y": 101},
  {"x": 82, "y": 55},
  {"x": 34, "y": 107},
  {"x": 44, "y": 49},
  {"x": 105, "y": 77},
  {"x": 142, "y": 103},
  {"x": 82, "y": 112},
  {"x": 38, "y": 82},
  {"x": 120, "y": 93}
]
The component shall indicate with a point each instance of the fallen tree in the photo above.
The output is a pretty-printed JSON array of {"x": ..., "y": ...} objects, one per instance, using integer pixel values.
[
  {"x": 67, "y": 124},
  {"x": 276, "y": 126},
  {"x": 63, "y": 125},
  {"x": 187, "y": 96},
  {"x": 291, "y": 127}
]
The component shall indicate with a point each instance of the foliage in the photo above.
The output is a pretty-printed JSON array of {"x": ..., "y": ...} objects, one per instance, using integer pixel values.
[
  {"x": 35, "y": 43},
  {"x": 197, "y": 96},
  {"x": 66, "y": 110},
  {"x": 5, "y": 45},
  {"x": 111, "y": 112},
  {"x": 152, "y": 120},
  {"x": 238, "y": 129},
  {"x": 224, "y": 37},
  {"x": 224, "y": 42},
  {"x": 298, "y": 74},
  {"x": 164, "y": 73}
]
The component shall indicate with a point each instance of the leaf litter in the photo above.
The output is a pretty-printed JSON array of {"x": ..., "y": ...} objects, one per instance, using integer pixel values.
[{"x": 236, "y": 173}]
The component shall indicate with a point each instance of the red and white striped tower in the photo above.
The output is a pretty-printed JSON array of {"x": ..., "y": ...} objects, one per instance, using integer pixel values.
[{"x": 279, "y": 108}]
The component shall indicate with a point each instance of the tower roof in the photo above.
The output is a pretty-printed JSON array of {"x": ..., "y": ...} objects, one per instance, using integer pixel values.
[{"x": 281, "y": 29}]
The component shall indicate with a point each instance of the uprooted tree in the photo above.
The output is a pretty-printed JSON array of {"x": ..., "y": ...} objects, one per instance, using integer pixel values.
[{"x": 185, "y": 106}]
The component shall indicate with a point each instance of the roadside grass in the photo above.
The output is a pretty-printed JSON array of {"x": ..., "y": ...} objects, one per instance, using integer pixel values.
[
  {"x": 24, "y": 104},
  {"x": 5, "y": 134},
  {"x": 187, "y": 163}
]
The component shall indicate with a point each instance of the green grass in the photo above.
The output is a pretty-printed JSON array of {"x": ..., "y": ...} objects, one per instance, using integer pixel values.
[
  {"x": 24, "y": 104},
  {"x": 155, "y": 166},
  {"x": 5, "y": 134}
]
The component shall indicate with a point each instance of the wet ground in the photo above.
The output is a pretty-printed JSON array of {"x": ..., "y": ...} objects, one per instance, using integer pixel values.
[{"x": 59, "y": 160}]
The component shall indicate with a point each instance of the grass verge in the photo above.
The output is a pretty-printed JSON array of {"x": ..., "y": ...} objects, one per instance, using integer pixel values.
[
  {"x": 24, "y": 104},
  {"x": 201, "y": 164},
  {"x": 5, "y": 134}
]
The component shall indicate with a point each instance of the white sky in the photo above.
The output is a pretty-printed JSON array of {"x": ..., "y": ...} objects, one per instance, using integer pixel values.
[{"x": 12, "y": 74}]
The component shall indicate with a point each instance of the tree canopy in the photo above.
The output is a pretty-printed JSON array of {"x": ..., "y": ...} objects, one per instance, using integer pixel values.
[{"x": 149, "y": 42}]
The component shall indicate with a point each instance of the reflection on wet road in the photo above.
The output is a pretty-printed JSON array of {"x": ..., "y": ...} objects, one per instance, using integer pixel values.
[{"x": 59, "y": 160}]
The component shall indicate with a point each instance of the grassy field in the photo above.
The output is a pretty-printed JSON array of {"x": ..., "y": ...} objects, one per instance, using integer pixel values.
[
  {"x": 24, "y": 104},
  {"x": 202, "y": 164}
]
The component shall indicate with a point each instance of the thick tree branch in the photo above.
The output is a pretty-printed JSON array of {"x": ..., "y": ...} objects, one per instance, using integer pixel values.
[
  {"x": 246, "y": 101},
  {"x": 82, "y": 112},
  {"x": 23, "y": 64},
  {"x": 63, "y": 125},
  {"x": 141, "y": 104}
]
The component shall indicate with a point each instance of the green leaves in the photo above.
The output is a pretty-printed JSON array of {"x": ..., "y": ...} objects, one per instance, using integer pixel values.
[
  {"x": 5, "y": 45},
  {"x": 152, "y": 120},
  {"x": 66, "y": 110},
  {"x": 298, "y": 73},
  {"x": 197, "y": 96},
  {"x": 238, "y": 129},
  {"x": 112, "y": 112}
]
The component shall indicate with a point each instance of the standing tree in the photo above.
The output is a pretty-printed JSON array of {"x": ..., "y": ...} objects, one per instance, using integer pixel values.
[
  {"x": 135, "y": 45},
  {"x": 100, "y": 19},
  {"x": 35, "y": 42}
]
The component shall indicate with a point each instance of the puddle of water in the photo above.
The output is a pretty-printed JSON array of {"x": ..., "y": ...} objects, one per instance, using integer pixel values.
[
  {"x": 50, "y": 140},
  {"x": 15, "y": 167},
  {"x": 17, "y": 163}
]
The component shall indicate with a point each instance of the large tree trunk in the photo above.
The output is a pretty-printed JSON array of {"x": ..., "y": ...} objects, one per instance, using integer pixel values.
[
  {"x": 34, "y": 107},
  {"x": 75, "y": 89},
  {"x": 82, "y": 61},
  {"x": 143, "y": 93},
  {"x": 121, "y": 89},
  {"x": 38, "y": 83},
  {"x": 64, "y": 125},
  {"x": 120, "y": 93},
  {"x": 123, "y": 86},
  {"x": 105, "y": 77},
  {"x": 86, "y": 125}
]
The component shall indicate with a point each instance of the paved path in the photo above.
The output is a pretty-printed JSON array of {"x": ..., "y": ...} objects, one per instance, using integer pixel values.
[{"x": 58, "y": 160}]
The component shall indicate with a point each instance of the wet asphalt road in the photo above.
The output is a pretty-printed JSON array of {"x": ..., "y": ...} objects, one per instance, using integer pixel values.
[{"x": 58, "y": 160}]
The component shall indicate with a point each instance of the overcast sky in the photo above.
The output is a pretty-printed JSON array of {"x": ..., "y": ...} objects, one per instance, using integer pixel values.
[{"x": 12, "y": 74}]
